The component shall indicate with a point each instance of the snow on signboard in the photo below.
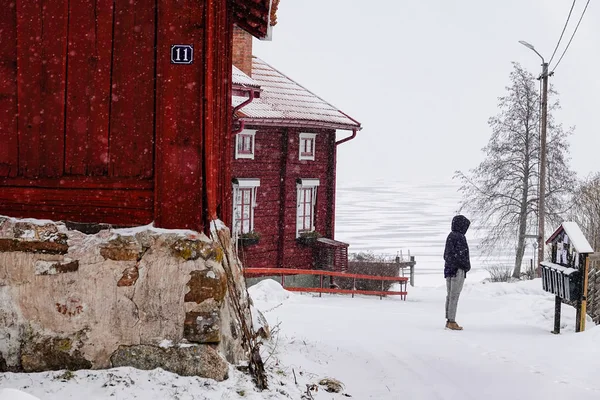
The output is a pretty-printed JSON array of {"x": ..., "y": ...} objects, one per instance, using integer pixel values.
[{"x": 577, "y": 238}]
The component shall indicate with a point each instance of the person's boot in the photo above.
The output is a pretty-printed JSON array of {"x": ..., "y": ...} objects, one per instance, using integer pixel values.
[{"x": 452, "y": 325}]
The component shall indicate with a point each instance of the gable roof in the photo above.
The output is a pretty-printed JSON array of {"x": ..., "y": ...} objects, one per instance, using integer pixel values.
[
  {"x": 576, "y": 237},
  {"x": 284, "y": 102}
]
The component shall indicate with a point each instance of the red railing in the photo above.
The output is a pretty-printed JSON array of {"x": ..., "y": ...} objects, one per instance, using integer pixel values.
[{"x": 288, "y": 271}]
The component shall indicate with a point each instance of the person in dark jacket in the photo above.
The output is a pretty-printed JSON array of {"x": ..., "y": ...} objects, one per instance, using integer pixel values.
[{"x": 456, "y": 266}]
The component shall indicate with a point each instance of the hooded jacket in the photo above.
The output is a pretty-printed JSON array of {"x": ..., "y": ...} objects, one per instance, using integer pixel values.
[{"x": 456, "y": 253}]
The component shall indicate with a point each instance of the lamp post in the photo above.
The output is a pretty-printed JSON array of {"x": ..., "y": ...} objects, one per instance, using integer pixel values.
[{"x": 542, "y": 185}]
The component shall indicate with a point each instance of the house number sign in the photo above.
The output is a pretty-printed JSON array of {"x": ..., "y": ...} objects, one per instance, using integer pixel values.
[{"x": 182, "y": 54}]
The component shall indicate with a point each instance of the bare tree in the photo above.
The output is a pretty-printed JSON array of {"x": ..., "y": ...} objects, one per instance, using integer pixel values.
[
  {"x": 502, "y": 192},
  {"x": 586, "y": 211}
]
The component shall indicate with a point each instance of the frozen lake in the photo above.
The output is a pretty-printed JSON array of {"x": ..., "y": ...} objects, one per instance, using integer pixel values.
[{"x": 386, "y": 217}]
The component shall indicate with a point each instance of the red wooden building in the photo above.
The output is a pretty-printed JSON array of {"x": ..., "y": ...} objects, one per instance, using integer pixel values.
[
  {"x": 284, "y": 166},
  {"x": 119, "y": 112}
]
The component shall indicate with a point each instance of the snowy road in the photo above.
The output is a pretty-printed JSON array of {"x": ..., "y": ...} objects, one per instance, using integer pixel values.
[
  {"x": 389, "y": 349},
  {"x": 380, "y": 349}
]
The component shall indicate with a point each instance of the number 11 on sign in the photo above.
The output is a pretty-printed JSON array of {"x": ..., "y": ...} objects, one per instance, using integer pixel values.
[
  {"x": 182, "y": 54},
  {"x": 178, "y": 54}
]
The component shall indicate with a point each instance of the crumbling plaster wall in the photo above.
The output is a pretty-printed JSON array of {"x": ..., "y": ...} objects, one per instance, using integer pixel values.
[{"x": 69, "y": 300}]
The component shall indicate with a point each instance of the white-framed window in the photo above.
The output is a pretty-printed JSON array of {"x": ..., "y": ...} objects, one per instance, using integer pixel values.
[
  {"x": 306, "y": 201},
  {"x": 244, "y": 144},
  {"x": 307, "y": 146},
  {"x": 244, "y": 203}
]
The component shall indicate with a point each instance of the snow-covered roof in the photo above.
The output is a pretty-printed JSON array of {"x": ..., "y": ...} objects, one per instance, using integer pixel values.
[
  {"x": 285, "y": 102},
  {"x": 238, "y": 78},
  {"x": 576, "y": 237}
]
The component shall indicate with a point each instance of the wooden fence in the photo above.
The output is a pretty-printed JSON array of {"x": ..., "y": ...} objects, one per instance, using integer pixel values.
[
  {"x": 593, "y": 295},
  {"x": 288, "y": 271}
]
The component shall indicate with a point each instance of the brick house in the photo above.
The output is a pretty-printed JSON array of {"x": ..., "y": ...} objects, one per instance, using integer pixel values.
[{"x": 284, "y": 167}]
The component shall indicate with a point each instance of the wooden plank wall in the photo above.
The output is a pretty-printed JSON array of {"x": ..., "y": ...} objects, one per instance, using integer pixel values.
[
  {"x": 295, "y": 255},
  {"x": 277, "y": 166},
  {"x": 8, "y": 90},
  {"x": 89, "y": 87},
  {"x": 84, "y": 78},
  {"x": 190, "y": 111},
  {"x": 224, "y": 111},
  {"x": 266, "y": 167},
  {"x": 132, "y": 90},
  {"x": 79, "y": 74},
  {"x": 41, "y": 61},
  {"x": 179, "y": 122},
  {"x": 85, "y": 88},
  {"x": 82, "y": 147}
]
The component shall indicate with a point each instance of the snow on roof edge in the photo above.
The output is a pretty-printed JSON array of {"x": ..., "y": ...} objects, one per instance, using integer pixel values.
[
  {"x": 298, "y": 123},
  {"x": 577, "y": 237}
]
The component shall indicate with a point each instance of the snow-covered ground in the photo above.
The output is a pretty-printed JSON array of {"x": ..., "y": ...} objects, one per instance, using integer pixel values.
[
  {"x": 381, "y": 349},
  {"x": 384, "y": 349},
  {"x": 390, "y": 349}
]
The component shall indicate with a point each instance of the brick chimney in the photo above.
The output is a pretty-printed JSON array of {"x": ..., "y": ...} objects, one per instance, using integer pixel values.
[{"x": 242, "y": 50}]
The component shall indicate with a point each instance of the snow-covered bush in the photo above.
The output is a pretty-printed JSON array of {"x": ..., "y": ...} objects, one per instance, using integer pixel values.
[{"x": 500, "y": 273}]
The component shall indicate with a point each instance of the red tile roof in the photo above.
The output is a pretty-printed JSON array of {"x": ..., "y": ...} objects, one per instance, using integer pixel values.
[{"x": 284, "y": 102}]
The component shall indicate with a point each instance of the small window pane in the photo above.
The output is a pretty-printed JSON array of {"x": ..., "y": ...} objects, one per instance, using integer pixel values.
[{"x": 243, "y": 210}]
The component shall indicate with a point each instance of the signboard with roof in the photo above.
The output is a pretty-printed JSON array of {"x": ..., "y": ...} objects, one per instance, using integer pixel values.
[{"x": 565, "y": 275}]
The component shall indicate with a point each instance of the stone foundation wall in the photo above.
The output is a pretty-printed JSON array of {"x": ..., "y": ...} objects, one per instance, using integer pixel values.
[{"x": 143, "y": 297}]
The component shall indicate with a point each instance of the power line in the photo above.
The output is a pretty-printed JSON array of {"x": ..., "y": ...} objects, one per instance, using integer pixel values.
[
  {"x": 572, "y": 36},
  {"x": 563, "y": 31}
]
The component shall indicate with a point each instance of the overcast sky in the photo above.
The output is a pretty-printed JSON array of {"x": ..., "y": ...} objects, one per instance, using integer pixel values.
[{"x": 423, "y": 77}]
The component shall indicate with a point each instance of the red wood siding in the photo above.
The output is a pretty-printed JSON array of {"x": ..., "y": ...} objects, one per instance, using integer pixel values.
[
  {"x": 82, "y": 199},
  {"x": 88, "y": 89},
  {"x": 8, "y": 89},
  {"x": 41, "y": 60},
  {"x": 65, "y": 64},
  {"x": 96, "y": 124},
  {"x": 126, "y": 207},
  {"x": 277, "y": 166},
  {"x": 194, "y": 114},
  {"x": 223, "y": 115},
  {"x": 265, "y": 166},
  {"x": 132, "y": 94},
  {"x": 295, "y": 255},
  {"x": 218, "y": 122},
  {"x": 180, "y": 116}
]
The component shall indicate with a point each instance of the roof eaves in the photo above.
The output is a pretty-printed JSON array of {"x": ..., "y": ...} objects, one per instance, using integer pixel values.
[{"x": 297, "y": 123}]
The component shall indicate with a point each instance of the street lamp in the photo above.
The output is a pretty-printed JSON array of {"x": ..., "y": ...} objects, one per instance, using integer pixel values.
[
  {"x": 530, "y": 47},
  {"x": 542, "y": 190}
]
